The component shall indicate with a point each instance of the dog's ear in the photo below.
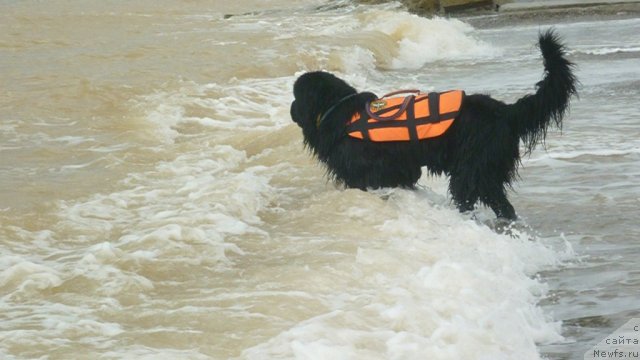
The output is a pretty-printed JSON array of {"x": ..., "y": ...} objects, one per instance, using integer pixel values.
[
  {"x": 308, "y": 85},
  {"x": 320, "y": 84}
]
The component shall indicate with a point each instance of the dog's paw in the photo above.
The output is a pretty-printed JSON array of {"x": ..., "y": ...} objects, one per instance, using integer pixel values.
[{"x": 513, "y": 228}]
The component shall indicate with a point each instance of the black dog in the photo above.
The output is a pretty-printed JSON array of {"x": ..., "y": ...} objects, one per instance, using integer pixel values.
[{"x": 479, "y": 151}]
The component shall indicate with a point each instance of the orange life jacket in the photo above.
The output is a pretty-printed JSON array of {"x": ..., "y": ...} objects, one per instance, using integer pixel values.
[{"x": 408, "y": 118}]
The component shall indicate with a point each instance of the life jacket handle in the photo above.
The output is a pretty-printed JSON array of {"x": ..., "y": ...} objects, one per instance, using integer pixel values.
[
  {"x": 393, "y": 116},
  {"x": 401, "y": 92}
]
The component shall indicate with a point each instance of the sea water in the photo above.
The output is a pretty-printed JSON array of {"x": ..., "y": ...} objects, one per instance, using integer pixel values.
[{"x": 156, "y": 201}]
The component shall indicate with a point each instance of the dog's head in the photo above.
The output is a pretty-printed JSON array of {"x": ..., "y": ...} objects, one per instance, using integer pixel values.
[{"x": 315, "y": 93}]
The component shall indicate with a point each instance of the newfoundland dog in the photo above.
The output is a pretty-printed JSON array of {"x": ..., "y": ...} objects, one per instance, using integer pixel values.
[{"x": 368, "y": 142}]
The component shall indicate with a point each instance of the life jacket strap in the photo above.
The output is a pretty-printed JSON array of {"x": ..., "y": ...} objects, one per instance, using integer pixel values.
[
  {"x": 407, "y": 103},
  {"x": 434, "y": 107},
  {"x": 411, "y": 120},
  {"x": 401, "y": 92},
  {"x": 363, "y": 125},
  {"x": 321, "y": 117}
]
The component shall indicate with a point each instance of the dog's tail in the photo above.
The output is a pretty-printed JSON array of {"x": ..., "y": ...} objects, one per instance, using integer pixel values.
[{"x": 532, "y": 114}]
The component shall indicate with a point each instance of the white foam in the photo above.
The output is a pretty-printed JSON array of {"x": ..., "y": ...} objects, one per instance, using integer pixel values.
[
  {"x": 422, "y": 40},
  {"x": 363, "y": 39},
  {"x": 150, "y": 353},
  {"x": 428, "y": 284},
  {"x": 173, "y": 213},
  {"x": 23, "y": 276},
  {"x": 254, "y": 104},
  {"x": 568, "y": 154},
  {"x": 609, "y": 50}
]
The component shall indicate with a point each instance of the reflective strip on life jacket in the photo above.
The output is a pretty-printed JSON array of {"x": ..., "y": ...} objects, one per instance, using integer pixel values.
[{"x": 425, "y": 116}]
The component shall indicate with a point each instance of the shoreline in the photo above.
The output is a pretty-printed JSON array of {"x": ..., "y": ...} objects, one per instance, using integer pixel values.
[
  {"x": 498, "y": 13},
  {"x": 561, "y": 4},
  {"x": 550, "y": 12}
]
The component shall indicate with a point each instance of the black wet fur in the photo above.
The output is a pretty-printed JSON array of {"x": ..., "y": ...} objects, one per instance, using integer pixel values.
[{"x": 479, "y": 152}]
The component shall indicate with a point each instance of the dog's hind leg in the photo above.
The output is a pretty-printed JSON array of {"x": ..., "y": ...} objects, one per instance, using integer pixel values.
[
  {"x": 502, "y": 207},
  {"x": 467, "y": 188},
  {"x": 493, "y": 193}
]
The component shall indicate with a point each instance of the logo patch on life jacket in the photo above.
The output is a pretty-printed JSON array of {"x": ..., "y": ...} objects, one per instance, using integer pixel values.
[
  {"x": 377, "y": 105},
  {"x": 408, "y": 118}
]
